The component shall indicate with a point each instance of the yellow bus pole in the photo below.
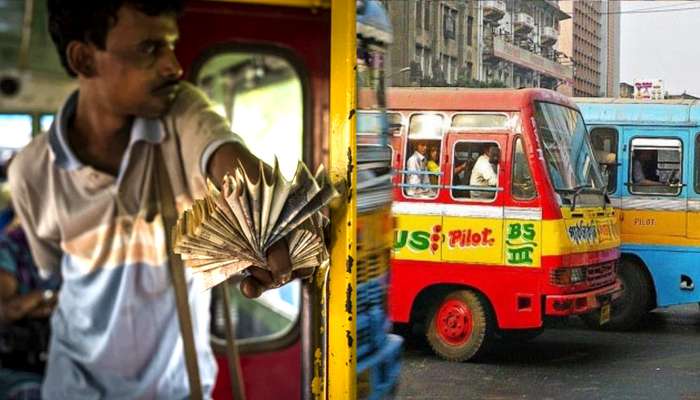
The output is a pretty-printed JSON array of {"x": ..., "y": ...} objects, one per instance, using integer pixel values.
[{"x": 342, "y": 341}]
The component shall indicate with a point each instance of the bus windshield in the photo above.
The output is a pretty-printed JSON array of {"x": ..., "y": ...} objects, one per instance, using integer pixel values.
[{"x": 567, "y": 151}]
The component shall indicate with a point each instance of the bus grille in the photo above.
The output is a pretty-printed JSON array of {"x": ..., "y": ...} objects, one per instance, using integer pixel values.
[
  {"x": 372, "y": 264},
  {"x": 600, "y": 274},
  {"x": 371, "y": 318}
]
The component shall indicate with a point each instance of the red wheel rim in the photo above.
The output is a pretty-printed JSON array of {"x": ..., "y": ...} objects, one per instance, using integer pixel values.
[{"x": 454, "y": 322}]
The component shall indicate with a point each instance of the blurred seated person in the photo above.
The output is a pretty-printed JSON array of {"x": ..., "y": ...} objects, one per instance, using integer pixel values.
[
  {"x": 418, "y": 163},
  {"x": 644, "y": 168},
  {"x": 433, "y": 165},
  {"x": 460, "y": 177},
  {"x": 26, "y": 302},
  {"x": 601, "y": 155},
  {"x": 484, "y": 172}
]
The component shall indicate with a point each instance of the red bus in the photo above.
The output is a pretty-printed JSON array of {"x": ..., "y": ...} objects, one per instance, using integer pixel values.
[{"x": 501, "y": 216}]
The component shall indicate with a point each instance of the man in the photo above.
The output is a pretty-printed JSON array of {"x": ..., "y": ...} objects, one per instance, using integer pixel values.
[
  {"x": 417, "y": 162},
  {"x": 85, "y": 194},
  {"x": 460, "y": 177},
  {"x": 643, "y": 168},
  {"x": 484, "y": 172}
]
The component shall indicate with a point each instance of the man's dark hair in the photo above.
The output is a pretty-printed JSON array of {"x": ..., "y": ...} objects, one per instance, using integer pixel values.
[
  {"x": 89, "y": 21},
  {"x": 486, "y": 149}
]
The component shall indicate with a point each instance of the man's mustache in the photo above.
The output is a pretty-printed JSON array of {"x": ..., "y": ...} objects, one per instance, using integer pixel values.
[{"x": 165, "y": 85}]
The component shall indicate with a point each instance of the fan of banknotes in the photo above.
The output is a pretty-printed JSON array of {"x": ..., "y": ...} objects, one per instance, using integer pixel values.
[{"x": 232, "y": 228}]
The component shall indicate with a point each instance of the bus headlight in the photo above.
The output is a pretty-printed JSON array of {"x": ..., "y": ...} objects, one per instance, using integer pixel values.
[{"x": 568, "y": 276}]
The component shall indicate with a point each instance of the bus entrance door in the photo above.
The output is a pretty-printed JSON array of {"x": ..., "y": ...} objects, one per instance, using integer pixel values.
[{"x": 473, "y": 214}]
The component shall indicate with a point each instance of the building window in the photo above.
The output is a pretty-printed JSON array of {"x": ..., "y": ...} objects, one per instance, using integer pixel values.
[
  {"x": 470, "y": 29},
  {"x": 419, "y": 14},
  {"x": 420, "y": 57},
  {"x": 446, "y": 67},
  {"x": 449, "y": 23},
  {"x": 428, "y": 71},
  {"x": 426, "y": 15}
]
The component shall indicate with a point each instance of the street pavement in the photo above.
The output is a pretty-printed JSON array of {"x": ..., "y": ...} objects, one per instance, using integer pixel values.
[{"x": 569, "y": 361}]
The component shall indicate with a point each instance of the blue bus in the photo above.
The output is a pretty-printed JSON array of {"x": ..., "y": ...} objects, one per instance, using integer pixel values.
[{"x": 649, "y": 151}]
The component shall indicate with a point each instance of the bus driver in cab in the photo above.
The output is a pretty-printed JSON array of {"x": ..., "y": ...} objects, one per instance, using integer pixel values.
[{"x": 484, "y": 172}]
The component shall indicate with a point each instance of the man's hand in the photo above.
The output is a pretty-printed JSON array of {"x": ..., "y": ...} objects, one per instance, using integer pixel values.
[
  {"x": 279, "y": 274},
  {"x": 222, "y": 161}
]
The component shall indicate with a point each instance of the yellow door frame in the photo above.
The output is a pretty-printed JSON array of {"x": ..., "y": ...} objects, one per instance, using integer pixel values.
[{"x": 341, "y": 375}]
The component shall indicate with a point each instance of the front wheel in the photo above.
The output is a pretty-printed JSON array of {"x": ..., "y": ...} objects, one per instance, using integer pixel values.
[
  {"x": 627, "y": 312},
  {"x": 460, "y": 327}
]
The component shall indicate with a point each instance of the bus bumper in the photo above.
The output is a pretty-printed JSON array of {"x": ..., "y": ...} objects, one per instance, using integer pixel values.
[{"x": 581, "y": 303}]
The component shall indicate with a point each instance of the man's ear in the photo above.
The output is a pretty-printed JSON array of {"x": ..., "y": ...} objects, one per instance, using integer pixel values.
[{"x": 81, "y": 58}]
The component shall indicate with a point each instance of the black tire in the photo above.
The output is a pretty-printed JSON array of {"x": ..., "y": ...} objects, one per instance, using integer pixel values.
[
  {"x": 460, "y": 327},
  {"x": 627, "y": 312}
]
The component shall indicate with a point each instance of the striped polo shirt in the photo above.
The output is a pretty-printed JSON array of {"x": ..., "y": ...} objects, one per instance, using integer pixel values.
[{"x": 115, "y": 329}]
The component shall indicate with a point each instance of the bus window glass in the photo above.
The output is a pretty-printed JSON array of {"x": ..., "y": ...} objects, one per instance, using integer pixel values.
[
  {"x": 261, "y": 96},
  {"x": 568, "y": 154},
  {"x": 45, "y": 122},
  {"x": 426, "y": 126},
  {"x": 16, "y": 133},
  {"x": 697, "y": 163},
  {"x": 523, "y": 187},
  {"x": 470, "y": 121},
  {"x": 395, "y": 123},
  {"x": 370, "y": 123},
  {"x": 475, "y": 170},
  {"x": 656, "y": 166},
  {"x": 604, "y": 142},
  {"x": 422, "y": 172}
]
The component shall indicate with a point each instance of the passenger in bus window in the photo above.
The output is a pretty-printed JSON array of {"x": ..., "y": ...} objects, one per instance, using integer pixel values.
[
  {"x": 602, "y": 151},
  {"x": 89, "y": 194},
  {"x": 484, "y": 172},
  {"x": 418, "y": 183},
  {"x": 644, "y": 168},
  {"x": 460, "y": 177},
  {"x": 433, "y": 165}
]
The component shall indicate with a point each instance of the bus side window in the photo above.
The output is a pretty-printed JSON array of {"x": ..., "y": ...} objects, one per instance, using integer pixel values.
[
  {"x": 522, "y": 186},
  {"x": 422, "y": 168},
  {"x": 471, "y": 168},
  {"x": 656, "y": 166},
  {"x": 604, "y": 142},
  {"x": 697, "y": 163}
]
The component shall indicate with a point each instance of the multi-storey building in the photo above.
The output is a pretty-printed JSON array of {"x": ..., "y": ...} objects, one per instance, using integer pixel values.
[
  {"x": 591, "y": 38},
  {"x": 610, "y": 78},
  {"x": 626, "y": 90},
  {"x": 519, "y": 40},
  {"x": 435, "y": 41}
]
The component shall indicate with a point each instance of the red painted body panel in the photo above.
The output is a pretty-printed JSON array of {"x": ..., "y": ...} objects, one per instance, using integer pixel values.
[
  {"x": 409, "y": 278},
  {"x": 581, "y": 259},
  {"x": 281, "y": 367}
]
